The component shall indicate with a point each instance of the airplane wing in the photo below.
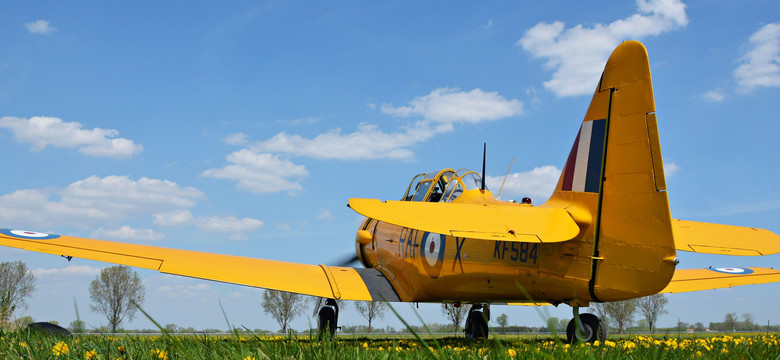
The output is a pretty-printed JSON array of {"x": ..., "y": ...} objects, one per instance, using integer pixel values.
[
  {"x": 486, "y": 222},
  {"x": 723, "y": 239},
  {"x": 685, "y": 280},
  {"x": 316, "y": 280}
]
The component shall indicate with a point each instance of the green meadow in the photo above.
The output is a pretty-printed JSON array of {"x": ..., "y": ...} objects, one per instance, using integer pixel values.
[{"x": 25, "y": 344}]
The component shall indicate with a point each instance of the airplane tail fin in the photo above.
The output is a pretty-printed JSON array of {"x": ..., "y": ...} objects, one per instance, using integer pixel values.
[{"x": 613, "y": 184}]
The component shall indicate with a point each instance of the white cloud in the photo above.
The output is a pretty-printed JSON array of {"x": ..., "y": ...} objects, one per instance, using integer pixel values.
[
  {"x": 126, "y": 233},
  {"x": 714, "y": 95},
  {"x": 325, "y": 215},
  {"x": 69, "y": 270},
  {"x": 51, "y": 131},
  {"x": 40, "y": 27},
  {"x": 538, "y": 184},
  {"x": 299, "y": 121},
  {"x": 229, "y": 224},
  {"x": 95, "y": 200},
  {"x": 670, "y": 169},
  {"x": 449, "y": 105},
  {"x": 260, "y": 169},
  {"x": 761, "y": 63},
  {"x": 283, "y": 226},
  {"x": 236, "y": 139},
  {"x": 260, "y": 173},
  {"x": 439, "y": 110},
  {"x": 174, "y": 218},
  {"x": 577, "y": 54},
  {"x": 367, "y": 142}
]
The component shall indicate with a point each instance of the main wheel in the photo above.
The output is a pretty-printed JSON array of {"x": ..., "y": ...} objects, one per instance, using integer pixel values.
[
  {"x": 326, "y": 321},
  {"x": 476, "y": 326},
  {"x": 593, "y": 330}
]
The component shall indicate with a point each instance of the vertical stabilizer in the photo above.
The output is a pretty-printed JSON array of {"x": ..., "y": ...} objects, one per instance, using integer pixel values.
[{"x": 613, "y": 184}]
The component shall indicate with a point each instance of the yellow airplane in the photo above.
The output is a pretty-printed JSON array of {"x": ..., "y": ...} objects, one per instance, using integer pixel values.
[{"x": 605, "y": 234}]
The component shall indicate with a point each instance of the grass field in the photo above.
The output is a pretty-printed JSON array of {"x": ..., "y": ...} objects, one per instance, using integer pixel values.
[{"x": 32, "y": 345}]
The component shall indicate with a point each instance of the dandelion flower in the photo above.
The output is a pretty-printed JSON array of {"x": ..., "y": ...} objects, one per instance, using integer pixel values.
[{"x": 60, "y": 348}]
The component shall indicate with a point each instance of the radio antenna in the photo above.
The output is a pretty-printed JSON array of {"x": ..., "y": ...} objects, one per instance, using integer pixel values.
[
  {"x": 484, "y": 150},
  {"x": 505, "y": 176}
]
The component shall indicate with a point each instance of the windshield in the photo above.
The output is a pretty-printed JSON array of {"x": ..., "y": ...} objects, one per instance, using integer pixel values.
[{"x": 471, "y": 179}]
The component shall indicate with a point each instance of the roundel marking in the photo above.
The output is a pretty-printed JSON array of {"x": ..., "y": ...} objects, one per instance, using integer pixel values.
[
  {"x": 432, "y": 249},
  {"x": 733, "y": 270},
  {"x": 24, "y": 234}
]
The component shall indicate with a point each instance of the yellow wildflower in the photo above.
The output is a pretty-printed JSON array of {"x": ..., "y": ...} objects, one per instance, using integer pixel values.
[
  {"x": 160, "y": 354},
  {"x": 511, "y": 353},
  {"x": 89, "y": 355},
  {"x": 249, "y": 357},
  {"x": 60, "y": 348}
]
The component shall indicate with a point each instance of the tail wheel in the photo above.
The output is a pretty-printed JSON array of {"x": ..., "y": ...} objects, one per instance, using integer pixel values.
[{"x": 593, "y": 329}]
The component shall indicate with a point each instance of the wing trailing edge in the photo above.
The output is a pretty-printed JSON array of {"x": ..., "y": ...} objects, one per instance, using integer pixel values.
[{"x": 720, "y": 239}]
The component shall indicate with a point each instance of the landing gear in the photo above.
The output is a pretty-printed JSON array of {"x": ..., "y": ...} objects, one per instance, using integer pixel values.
[
  {"x": 327, "y": 319},
  {"x": 476, "y": 322},
  {"x": 589, "y": 328}
]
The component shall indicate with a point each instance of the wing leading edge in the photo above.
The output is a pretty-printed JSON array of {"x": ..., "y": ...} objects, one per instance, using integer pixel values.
[
  {"x": 316, "y": 280},
  {"x": 475, "y": 221},
  {"x": 685, "y": 280}
]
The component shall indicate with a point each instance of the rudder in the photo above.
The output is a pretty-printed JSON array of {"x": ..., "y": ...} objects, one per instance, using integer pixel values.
[{"x": 613, "y": 182}]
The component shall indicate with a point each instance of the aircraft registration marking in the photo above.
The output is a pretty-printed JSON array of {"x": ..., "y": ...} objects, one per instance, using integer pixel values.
[
  {"x": 518, "y": 252},
  {"x": 24, "y": 234}
]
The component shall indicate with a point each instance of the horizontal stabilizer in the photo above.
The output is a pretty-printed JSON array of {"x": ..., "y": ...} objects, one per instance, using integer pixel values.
[
  {"x": 715, "y": 278},
  {"x": 316, "y": 280},
  {"x": 487, "y": 222},
  {"x": 723, "y": 239}
]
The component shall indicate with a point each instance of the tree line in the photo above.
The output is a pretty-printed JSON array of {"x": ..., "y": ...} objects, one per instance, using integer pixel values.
[{"x": 117, "y": 292}]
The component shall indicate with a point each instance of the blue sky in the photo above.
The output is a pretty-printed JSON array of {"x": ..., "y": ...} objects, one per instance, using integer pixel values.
[{"x": 244, "y": 129}]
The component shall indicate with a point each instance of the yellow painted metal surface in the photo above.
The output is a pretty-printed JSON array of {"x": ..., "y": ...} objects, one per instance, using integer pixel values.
[
  {"x": 724, "y": 239},
  {"x": 278, "y": 275},
  {"x": 705, "y": 279},
  {"x": 505, "y": 221}
]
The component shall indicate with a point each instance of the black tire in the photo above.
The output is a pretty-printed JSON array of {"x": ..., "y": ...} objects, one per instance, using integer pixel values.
[
  {"x": 326, "y": 320},
  {"x": 476, "y": 326},
  {"x": 49, "y": 329},
  {"x": 594, "y": 330}
]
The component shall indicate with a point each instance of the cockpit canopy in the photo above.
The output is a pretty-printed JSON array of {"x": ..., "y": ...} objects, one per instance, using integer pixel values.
[{"x": 442, "y": 186}]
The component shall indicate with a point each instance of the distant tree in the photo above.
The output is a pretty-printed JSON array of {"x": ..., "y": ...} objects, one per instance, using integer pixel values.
[
  {"x": 642, "y": 325},
  {"x": 23, "y": 321},
  {"x": 371, "y": 310},
  {"x": 601, "y": 311},
  {"x": 698, "y": 327},
  {"x": 621, "y": 313},
  {"x": 730, "y": 322},
  {"x": 283, "y": 306},
  {"x": 77, "y": 326},
  {"x": 116, "y": 292},
  {"x": 502, "y": 321},
  {"x": 455, "y": 314},
  {"x": 16, "y": 283},
  {"x": 750, "y": 322},
  {"x": 652, "y": 307}
]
